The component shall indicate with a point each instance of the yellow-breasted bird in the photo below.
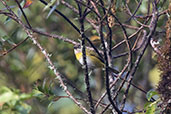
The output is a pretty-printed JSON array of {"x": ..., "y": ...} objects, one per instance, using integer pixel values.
[{"x": 93, "y": 60}]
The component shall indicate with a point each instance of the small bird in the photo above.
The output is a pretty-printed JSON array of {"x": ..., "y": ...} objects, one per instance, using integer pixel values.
[{"x": 93, "y": 60}]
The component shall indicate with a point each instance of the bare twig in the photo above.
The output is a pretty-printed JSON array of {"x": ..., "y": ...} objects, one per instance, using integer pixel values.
[
  {"x": 132, "y": 16},
  {"x": 106, "y": 65},
  {"x": 51, "y": 65},
  {"x": 152, "y": 28},
  {"x": 14, "y": 47},
  {"x": 82, "y": 17}
]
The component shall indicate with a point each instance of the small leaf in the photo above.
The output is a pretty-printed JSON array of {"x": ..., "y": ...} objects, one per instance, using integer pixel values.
[
  {"x": 37, "y": 93},
  {"x": 51, "y": 11},
  {"x": 19, "y": 13},
  {"x": 50, "y": 98},
  {"x": 9, "y": 7},
  {"x": 50, "y": 104},
  {"x": 27, "y": 3},
  {"x": 4, "y": 38},
  {"x": 11, "y": 42},
  {"x": 150, "y": 94},
  {"x": 118, "y": 2},
  {"x": 123, "y": 2},
  {"x": 8, "y": 19},
  {"x": 151, "y": 109},
  {"x": 147, "y": 104},
  {"x": 23, "y": 108},
  {"x": 25, "y": 96},
  {"x": 50, "y": 4},
  {"x": 7, "y": 95}
]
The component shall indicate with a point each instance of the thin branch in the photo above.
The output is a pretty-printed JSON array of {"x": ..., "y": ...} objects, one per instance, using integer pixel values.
[
  {"x": 76, "y": 28},
  {"x": 61, "y": 14},
  {"x": 76, "y": 11},
  {"x": 17, "y": 45},
  {"x": 40, "y": 32},
  {"x": 82, "y": 17},
  {"x": 14, "y": 47},
  {"x": 131, "y": 36},
  {"x": 132, "y": 16},
  {"x": 25, "y": 17},
  {"x": 105, "y": 93},
  {"x": 106, "y": 66},
  {"x": 153, "y": 25},
  {"x": 51, "y": 65},
  {"x": 152, "y": 28}
]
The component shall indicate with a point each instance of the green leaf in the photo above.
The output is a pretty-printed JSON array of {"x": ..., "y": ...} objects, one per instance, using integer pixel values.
[
  {"x": 4, "y": 38},
  {"x": 23, "y": 108},
  {"x": 51, "y": 11},
  {"x": 151, "y": 109},
  {"x": 7, "y": 95},
  {"x": 150, "y": 94},
  {"x": 147, "y": 104},
  {"x": 25, "y": 96},
  {"x": 50, "y": 4},
  {"x": 11, "y": 42},
  {"x": 8, "y": 19},
  {"x": 38, "y": 93},
  {"x": 50, "y": 104},
  {"x": 123, "y": 2},
  {"x": 120, "y": 4}
]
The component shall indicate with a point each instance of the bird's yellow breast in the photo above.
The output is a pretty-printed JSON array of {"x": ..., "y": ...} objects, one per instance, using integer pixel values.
[
  {"x": 92, "y": 61},
  {"x": 78, "y": 55}
]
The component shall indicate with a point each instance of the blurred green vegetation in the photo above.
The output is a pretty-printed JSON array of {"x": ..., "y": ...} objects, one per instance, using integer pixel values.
[{"x": 22, "y": 67}]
